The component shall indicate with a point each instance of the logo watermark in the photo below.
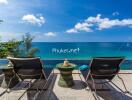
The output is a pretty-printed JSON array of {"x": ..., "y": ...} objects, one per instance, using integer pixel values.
[{"x": 66, "y": 50}]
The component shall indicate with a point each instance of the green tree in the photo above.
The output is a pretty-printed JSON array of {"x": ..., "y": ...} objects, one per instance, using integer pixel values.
[
  {"x": 10, "y": 48},
  {"x": 28, "y": 50},
  {"x": 21, "y": 48}
]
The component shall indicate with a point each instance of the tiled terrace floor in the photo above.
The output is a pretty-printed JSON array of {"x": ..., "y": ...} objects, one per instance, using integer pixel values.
[{"x": 78, "y": 92}]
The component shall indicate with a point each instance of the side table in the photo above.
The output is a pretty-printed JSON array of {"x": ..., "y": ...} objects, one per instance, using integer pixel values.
[
  {"x": 66, "y": 78},
  {"x": 8, "y": 74}
]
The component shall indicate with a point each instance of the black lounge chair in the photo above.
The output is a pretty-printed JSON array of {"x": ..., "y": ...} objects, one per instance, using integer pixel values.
[
  {"x": 103, "y": 68},
  {"x": 29, "y": 68}
]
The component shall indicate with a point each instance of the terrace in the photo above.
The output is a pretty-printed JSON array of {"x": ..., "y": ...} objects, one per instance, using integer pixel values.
[{"x": 78, "y": 92}]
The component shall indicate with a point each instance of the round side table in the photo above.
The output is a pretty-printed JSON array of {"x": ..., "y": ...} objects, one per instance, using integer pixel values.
[
  {"x": 8, "y": 74},
  {"x": 66, "y": 78}
]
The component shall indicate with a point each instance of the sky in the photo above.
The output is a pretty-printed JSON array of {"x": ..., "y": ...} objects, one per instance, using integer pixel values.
[{"x": 67, "y": 20}]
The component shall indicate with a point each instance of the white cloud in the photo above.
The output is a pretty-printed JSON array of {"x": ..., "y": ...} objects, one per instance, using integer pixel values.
[
  {"x": 3, "y": 2},
  {"x": 80, "y": 27},
  {"x": 83, "y": 27},
  {"x": 115, "y": 13},
  {"x": 30, "y": 18},
  {"x": 72, "y": 30},
  {"x": 105, "y": 23},
  {"x": 50, "y": 34},
  {"x": 93, "y": 23}
]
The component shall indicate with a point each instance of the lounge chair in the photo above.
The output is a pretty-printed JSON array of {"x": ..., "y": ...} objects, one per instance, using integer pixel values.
[
  {"x": 29, "y": 68},
  {"x": 104, "y": 69}
]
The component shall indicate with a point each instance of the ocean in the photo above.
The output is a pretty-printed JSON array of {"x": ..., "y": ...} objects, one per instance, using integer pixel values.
[
  {"x": 82, "y": 50},
  {"x": 81, "y": 53}
]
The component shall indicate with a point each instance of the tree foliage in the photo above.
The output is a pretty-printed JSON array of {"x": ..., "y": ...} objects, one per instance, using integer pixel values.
[
  {"x": 21, "y": 48},
  {"x": 27, "y": 49},
  {"x": 10, "y": 48}
]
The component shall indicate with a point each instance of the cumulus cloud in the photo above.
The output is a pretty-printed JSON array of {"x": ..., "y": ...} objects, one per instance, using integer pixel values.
[
  {"x": 105, "y": 23},
  {"x": 98, "y": 23},
  {"x": 80, "y": 27},
  {"x": 50, "y": 34},
  {"x": 3, "y": 2},
  {"x": 115, "y": 13},
  {"x": 30, "y": 18},
  {"x": 72, "y": 30}
]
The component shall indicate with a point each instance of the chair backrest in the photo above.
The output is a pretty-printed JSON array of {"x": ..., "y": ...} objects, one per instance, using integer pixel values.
[
  {"x": 28, "y": 68},
  {"x": 105, "y": 67}
]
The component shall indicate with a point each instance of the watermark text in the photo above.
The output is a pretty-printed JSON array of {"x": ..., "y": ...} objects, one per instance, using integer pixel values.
[{"x": 66, "y": 50}]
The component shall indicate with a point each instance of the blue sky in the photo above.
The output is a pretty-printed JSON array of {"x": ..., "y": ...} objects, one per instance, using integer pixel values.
[{"x": 67, "y": 20}]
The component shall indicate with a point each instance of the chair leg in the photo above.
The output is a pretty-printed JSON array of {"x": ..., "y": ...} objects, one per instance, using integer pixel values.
[
  {"x": 80, "y": 76},
  {"x": 93, "y": 83},
  {"x": 126, "y": 91},
  {"x": 39, "y": 91},
  {"x": 25, "y": 91},
  {"x": 9, "y": 84},
  {"x": 96, "y": 97}
]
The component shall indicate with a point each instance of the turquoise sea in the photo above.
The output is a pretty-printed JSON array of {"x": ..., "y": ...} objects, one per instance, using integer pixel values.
[
  {"x": 81, "y": 53},
  {"x": 82, "y": 50}
]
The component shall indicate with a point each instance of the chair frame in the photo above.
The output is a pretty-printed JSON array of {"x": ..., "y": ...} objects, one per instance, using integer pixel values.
[
  {"x": 93, "y": 80},
  {"x": 43, "y": 73}
]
